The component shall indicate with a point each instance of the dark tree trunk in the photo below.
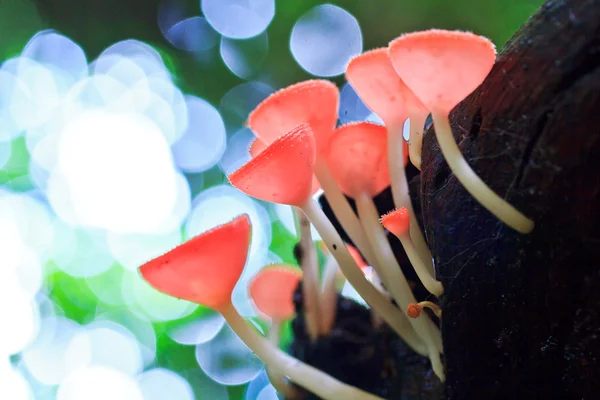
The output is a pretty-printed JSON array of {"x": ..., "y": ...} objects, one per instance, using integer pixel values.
[{"x": 522, "y": 312}]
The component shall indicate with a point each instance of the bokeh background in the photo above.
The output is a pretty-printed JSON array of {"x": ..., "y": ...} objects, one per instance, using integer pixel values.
[{"x": 118, "y": 122}]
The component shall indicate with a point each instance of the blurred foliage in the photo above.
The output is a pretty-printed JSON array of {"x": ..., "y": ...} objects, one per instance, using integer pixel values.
[{"x": 98, "y": 24}]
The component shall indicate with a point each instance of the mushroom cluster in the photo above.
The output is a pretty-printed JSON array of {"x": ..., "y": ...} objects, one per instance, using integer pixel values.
[{"x": 299, "y": 150}]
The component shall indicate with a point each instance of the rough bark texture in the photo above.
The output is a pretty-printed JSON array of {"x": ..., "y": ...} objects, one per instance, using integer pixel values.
[{"x": 522, "y": 312}]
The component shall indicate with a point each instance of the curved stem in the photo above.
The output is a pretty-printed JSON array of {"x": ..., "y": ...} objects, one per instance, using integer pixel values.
[
  {"x": 342, "y": 210},
  {"x": 503, "y": 210},
  {"x": 288, "y": 391},
  {"x": 433, "y": 307},
  {"x": 434, "y": 287},
  {"x": 400, "y": 192},
  {"x": 310, "y": 378},
  {"x": 392, "y": 315},
  {"x": 310, "y": 279},
  {"x": 395, "y": 280}
]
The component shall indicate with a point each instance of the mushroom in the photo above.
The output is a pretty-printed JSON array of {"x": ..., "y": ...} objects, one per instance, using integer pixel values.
[
  {"x": 398, "y": 222},
  {"x": 272, "y": 292},
  {"x": 442, "y": 68},
  {"x": 282, "y": 173},
  {"x": 205, "y": 270},
  {"x": 373, "y": 77},
  {"x": 358, "y": 160},
  {"x": 377, "y": 83},
  {"x": 314, "y": 102},
  {"x": 309, "y": 263},
  {"x": 414, "y": 310},
  {"x": 257, "y": 146}
]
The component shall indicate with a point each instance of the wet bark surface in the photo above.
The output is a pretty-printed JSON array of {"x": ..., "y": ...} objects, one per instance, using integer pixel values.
[{"x": 522, "y": 312}]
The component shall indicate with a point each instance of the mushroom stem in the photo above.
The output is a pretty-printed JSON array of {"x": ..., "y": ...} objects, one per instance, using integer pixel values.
[
  {"x": 377, "y": 301},
  {"x": 504, "y": 211},
  {"x": 288, "y": 391},
  {"x": 415, "y": 141},
  {"x": 342, "y": 210},
  {"x": 329, "y": 295},
  {"x": 400, "y": 192},
  {"x": 310, "y": 270},
  {"x": 378, "y": 283},
  {"x": 433, "y": 286},
  {"x": 310, "y": 378},
  {"x": 395, "y": 280}
]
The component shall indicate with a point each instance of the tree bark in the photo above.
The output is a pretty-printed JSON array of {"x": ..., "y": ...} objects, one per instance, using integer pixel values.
[{"x": 521, "y": 313}]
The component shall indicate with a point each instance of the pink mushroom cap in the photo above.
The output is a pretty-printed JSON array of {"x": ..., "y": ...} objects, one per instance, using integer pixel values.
[
  {"x": 442, "y": 67},
  {"x": 272, "y": 291},
  {"x": 283, "y": 171},
  {"x": 206, "y": 268}
]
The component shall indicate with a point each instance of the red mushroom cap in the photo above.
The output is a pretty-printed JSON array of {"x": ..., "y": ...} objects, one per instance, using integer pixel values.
[
  {"x": 282, "y": 172},
  {"x": 257, "y": 146},
  {"x": 358, "y": 159},
  {"x": 397, "y": 221},
  {"x": 442, "y": 67},
  {"x": 414, "y": 310},
  {"x": 272, "y": 291},
  {"x": 314, "y": 102},
  {"x": 377, "y": 83},
  {"x": 206, "y": 268}
]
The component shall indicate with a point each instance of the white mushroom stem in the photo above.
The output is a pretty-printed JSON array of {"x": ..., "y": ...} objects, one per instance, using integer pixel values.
[
  {"x": 310, "y": 277},
  {"x": 342, "y": 210},
  {"x": 395, "y": 281},
  {"x": 503, "y": 210},
  {"x": 344, "y": 213},
  {"x": 310, "y": 378},
  {"x": 329, "y": 295},
  {"x": 287, "y": 390},
  {"x": 397, "y": 319},
  {"x": 400, "y": 192},
  {"x": 434, "y": 287},
  {"x": 378, "y": 283}
]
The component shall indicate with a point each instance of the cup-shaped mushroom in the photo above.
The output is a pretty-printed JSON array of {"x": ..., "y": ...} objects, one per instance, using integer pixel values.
[
  {"x": 357, "y": 157},
  {"x": 314, "y": 102},
  {"x": 309, "y": 263},
  {"x": 282, "y": 172},
  {"x": 442, "y": 68},
  {"x": 398, "y": 222},
  {"x": 376, "y": 81},
  {"x": 206, "y": 268},
  {"x": 257, "y": 146},
  {"x": 358, "y": 160},
  {"x": 378, "y": 84},
  {"x": 272, "y": 291}
]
